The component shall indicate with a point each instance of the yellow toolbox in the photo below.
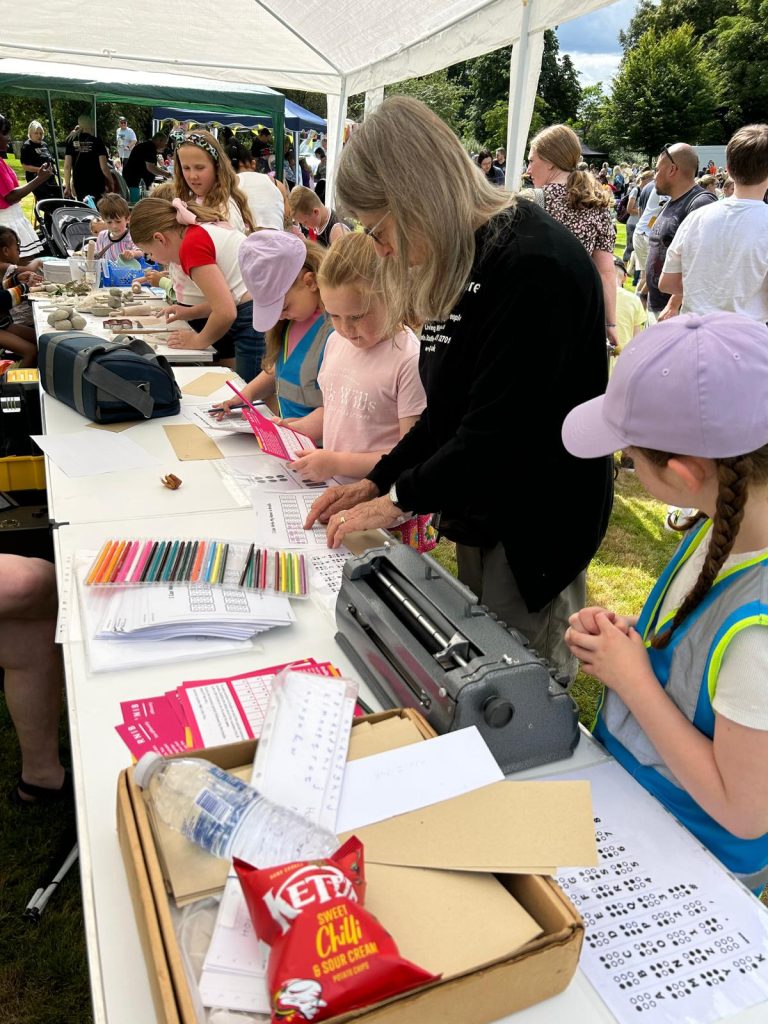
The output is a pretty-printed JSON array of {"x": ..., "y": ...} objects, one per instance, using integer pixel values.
[{"x": 22, "y": 473}]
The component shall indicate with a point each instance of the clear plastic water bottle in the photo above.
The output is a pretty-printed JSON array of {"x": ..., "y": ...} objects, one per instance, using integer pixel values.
[{"x": 227, "y": 817}]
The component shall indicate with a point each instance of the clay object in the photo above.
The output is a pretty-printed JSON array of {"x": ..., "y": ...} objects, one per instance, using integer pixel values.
[
  {"x": 171, "y": 481},
  {"x": 100, "y": 310},
  {"x": 63, "y": 313},
  {"x": 78, "y": 322},
  {"x": 114, "y": 301},
  {"x": 51, "y": 289},
  {"x": 143, "y": 309},
  {"x": 136, "y": 288},
  {"x": 116, "y": 293}
]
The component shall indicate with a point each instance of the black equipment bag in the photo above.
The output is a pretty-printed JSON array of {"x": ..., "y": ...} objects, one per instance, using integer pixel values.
[{"x": 107, "y": 381}]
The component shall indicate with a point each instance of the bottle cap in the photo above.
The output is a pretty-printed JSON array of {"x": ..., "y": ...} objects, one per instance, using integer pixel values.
[{"x": 146, "y": 768}]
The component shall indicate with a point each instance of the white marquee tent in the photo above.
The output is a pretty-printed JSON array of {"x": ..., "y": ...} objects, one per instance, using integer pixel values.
[{"x": 339, "y": 47}]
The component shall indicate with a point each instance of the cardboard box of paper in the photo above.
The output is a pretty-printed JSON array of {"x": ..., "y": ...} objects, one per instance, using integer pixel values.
[{"x": 467, "y": 904}]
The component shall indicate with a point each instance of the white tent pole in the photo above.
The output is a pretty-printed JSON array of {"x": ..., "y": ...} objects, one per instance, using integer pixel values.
[
  {"x": 53, "y": 136},
  {"x": 337, "y": 116},
  {"x": 373, "y": 98},
  {"x": 518, "y": 74}
]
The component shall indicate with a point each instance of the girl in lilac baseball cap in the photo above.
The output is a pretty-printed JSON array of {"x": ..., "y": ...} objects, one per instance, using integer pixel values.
[
  {"x": 280, "y": 271},
  {"x": 685, "y": 700}
]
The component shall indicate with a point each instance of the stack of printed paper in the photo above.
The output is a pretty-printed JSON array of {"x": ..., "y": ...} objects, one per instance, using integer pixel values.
[{"x": 167, "y": 613}]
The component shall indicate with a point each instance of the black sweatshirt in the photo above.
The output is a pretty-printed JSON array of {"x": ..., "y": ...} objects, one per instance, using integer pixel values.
[{"x": 523, "y": 346}]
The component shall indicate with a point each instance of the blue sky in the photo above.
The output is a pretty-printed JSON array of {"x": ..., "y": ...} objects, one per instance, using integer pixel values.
[{"x": 592, "y": 41}]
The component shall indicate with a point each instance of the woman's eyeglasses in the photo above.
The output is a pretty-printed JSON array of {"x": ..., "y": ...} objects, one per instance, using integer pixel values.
[{"x": 371, "y": 232}]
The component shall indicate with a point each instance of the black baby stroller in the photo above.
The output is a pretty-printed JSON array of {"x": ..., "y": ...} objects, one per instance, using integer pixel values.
[{"x": 66, "y": 224}]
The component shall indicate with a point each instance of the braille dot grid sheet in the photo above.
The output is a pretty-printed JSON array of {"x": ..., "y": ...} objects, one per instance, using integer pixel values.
[{"x": 670, "y": 935}]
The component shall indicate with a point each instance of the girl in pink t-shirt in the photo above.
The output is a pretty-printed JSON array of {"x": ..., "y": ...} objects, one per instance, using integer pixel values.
[{"x": 369, "y": 378}]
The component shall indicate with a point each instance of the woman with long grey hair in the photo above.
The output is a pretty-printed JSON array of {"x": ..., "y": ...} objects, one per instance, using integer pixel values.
[{"x": 513, "y": 337}]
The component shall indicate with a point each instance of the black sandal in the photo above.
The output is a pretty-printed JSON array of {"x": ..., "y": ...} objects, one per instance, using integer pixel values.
[{"x": 41, "y": 795}]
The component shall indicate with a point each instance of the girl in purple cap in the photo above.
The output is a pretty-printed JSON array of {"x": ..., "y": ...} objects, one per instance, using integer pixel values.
[
  {"x": 280, "y": 271},
  {"x": 685, "y": 705}
]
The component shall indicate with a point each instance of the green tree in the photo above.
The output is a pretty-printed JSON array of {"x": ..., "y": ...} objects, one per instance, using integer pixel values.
[
  {"x": 664, "y": 92},
  {"x": 558, "y": 82},
  {"x": 701, "y": 15},
  {"x": 443, "y": 95},
  {"x": 737, "y": 52},
  {"x": 485, "y": 83},
  {"x": 591, "y": 123}
]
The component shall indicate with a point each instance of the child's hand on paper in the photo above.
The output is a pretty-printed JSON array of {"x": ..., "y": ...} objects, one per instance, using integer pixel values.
[
  {"x": 314, "y": 465},
  {"x": 614, "y": 655}
]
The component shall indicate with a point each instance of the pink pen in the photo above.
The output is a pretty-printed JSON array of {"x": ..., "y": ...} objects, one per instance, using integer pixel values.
[
  {"x": 242, "y": 397},
  {"x": 141, "y": 562},
  {"x": 125, "y": 568}
]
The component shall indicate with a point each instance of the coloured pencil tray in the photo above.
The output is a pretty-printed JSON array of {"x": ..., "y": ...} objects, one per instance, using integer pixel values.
[{"x": 145, "y": 561}]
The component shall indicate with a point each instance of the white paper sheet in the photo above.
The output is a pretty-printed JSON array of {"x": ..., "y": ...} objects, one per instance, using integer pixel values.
[
  {"x": 407, "y": 778},
  {"x": 94, "y": 452},
  {"x": 670, "y": 935},
  {"x": 280, "y": 520}
]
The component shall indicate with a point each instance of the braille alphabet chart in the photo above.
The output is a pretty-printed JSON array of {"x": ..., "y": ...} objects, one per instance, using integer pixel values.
[
  {"x": 282, "y": 515},
  {"x": 670, "y": 935}
]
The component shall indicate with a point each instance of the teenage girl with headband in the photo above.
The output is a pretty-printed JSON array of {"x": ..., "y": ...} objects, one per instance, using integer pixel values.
[
  {"x": 280, "y": 271},
  {"x": 203, "y": 174},
  {"x": 203, "y": 255},
  {"x": 685, "y": 706}
]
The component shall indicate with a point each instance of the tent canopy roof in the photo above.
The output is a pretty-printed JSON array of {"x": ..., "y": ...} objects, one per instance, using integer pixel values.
[
  {"x": 340, "y": 46},
  {"x": 296, "y": 117},
  {"x": 145, "y": 88}
]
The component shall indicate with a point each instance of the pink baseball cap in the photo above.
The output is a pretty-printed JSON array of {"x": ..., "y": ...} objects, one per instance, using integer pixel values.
[
  {"x": 270, "y": 262},
  {"x": 692, "y": 385}
]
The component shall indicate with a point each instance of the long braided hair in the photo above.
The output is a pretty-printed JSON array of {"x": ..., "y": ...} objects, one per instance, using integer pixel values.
[{"x": 734, "y": 476}]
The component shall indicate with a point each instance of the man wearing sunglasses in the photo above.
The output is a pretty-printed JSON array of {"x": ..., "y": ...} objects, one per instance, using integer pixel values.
[{"x": 676, "y": 169}]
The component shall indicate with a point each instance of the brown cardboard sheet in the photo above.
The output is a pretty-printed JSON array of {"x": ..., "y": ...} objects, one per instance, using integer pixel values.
[
  {"x": 191, "y": 444},
  {"x": 448, "y": 922},
  {"x": 114, "y": 428},
  {"x": 506, "y": 827},
  {"x": 207, "y": 383}
]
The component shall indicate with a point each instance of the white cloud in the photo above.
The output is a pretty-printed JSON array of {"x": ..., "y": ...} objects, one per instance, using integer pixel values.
[{"x": 596, "y": 67}]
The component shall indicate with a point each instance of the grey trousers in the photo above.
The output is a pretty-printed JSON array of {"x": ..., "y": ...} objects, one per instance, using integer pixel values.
[{"x": 487, "y": 573}]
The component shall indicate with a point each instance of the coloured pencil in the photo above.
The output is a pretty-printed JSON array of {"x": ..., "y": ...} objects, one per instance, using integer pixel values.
[
  {"x": 142, "y": 561},
  {"x": 303, "y": 570},
  {"x": 161, "y": 564},
  {"x": 113, "y": 546},
  {"x": 255, "y": 570},
  {"x": 216, "y": 563},
  {"x": 247, "y": 565},
  {"x": 150, "y": 559},
  {"x": 106, "y": 573},
  {"x": 186, "y": 565},
  {"x": 206, "y": 573},
  {"x": 264, "y": 571},
  {"x": 177, "y": 561},
  {"x": 98, "y": 563},
  {"x": 222, "y": 571},
  {"x": 155, "y": 564},
  {"x": 124, "y": 562},
  {"x": 167, "y": 563},
  {"x": 198, "y": 561},
  {"x": 277, "y": 572}
]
